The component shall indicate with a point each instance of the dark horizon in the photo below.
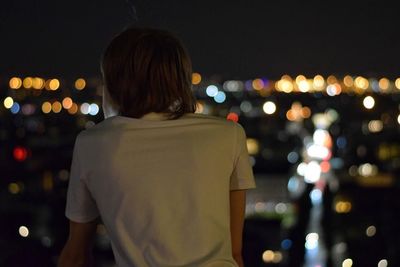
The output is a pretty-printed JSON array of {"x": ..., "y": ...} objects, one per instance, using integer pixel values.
[{"x": 237, "y": 41}]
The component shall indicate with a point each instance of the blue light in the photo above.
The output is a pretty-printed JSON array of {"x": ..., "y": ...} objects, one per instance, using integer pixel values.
[
  {"x": 316, "y": 196},
  {"x": 341, "y": 142},
  {"x": 15, "y": 108},
  {"x": 286, "y": 244},
  {"x": 293, "y": 157},
  {"x": 94, "y": 109},
  {"x": 220, "y": 97}
]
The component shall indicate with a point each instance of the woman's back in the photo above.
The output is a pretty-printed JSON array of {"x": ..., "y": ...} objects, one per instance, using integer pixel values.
[{"x": 161, "y": 187}]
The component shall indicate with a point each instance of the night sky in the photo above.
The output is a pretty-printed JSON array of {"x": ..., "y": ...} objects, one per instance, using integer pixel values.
[{"x": 233, "y": 39}]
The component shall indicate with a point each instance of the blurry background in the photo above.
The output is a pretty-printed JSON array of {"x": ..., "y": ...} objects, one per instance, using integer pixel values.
[{"x": 316, "y": 86}]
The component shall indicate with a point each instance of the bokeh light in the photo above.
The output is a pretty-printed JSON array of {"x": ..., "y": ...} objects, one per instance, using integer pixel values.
[
  {"x": 46, "y": 107},
  {"x": 15, "y": 83},
  {"x": 23, "y": 231},
  {"x": 369, "y": 102},
  {"x": 67, "y": 103},
  {"x": 269, "y": 107},
  {"x": 8, "y": 102},
  {"x": 232, "y": 116},
  {"x": 56, "y": 107},
  {"x": 54, "y": 84},
  {"x": 80, "y": 84},
  {"x": 196, "y": 78}
]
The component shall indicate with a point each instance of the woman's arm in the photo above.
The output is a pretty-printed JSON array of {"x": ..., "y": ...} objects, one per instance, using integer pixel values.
[
  {"x": 237, "y": 209},
  {"x": 78, "y": 249}
]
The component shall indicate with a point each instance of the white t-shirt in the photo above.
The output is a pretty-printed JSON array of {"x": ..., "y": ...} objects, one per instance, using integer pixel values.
[{"x": 161, "y": 187}]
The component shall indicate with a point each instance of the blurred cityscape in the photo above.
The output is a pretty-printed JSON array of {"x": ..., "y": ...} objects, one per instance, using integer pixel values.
[{"x": 325, "y": 152}]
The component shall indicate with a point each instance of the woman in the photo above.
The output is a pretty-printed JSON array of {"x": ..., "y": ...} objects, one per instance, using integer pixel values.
[{"x": 168, "y": 183}]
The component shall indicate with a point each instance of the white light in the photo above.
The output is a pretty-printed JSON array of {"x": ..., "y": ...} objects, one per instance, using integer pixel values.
[
  {"x": 311, "y": 241},
  {"x": 318, "y": 152},
  {"x": 85, "y": 108},
  {"x": 280, "y": 208},
  {"x": 211, "y": 90},
  {"x": 398, "y": 118},
  {"x": 23, "y": 231},
  {"x": 383, "y": 263},
  {"x": 369, "y": 102},
  {"x": 8, "y": 102},
  {"x": 375, "y": 126},
  {"x": 269, "y": 107},
  {"x": 233, "y": 86},
  {"x": 246, "y": 106},
  {"x": 312, "y": 173},
  {"x": 367, "y": 169},
  {"x": 347, "y": 263},
  {"x": 301, "y": 168},
  {"x": 320, "y": 136},
  {"x": 370, "y": 231},
  {"x": 93, "y": 109},
  {"x": 220, "y": 97}
]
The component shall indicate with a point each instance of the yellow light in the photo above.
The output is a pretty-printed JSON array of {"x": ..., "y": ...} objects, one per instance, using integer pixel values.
[
  {"x": 384, "y": 83},
  {"x": 284, "y": 85},
  {"x": 80, "y": 84},
  {"x": 268, "y": 256},
  {"x": 318, "y": 82},
  {"x": 269, "y": 107},
  {"x": 258, "y": 84},
  {"x": 343, "y": 207},
  {"x": 38, "y": 83},
  {"x": 56, "y": 107},
  {"x": 73, "y": 109},
  {"x": 8, "y": 102},
  {"x": 23, "y": 231},
  {"x": 54, "y": 84},
  {"x": 397, "y": 83},
  {"x": 15, "y": 83},
  {"x": 196, "y": 78},
  {"x": 347, "y": 263},
  {"x": 28, "y": 82},
  {"x": 369, "y": 102},
  {"x": 46, "y": 107},
  {"x": 361, "y": 83},
  {"x": 47, "y": 181},
  {"x": 300, "y": 78},
  {"x": 252, "y": 146},
  {"x": 348, "y": 81},
  {"x": 67, "y": 103},
  {"x": 14, "y": 188}
]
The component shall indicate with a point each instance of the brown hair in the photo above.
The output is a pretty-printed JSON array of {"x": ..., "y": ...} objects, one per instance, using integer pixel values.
[{"x": 148, "y": 70}]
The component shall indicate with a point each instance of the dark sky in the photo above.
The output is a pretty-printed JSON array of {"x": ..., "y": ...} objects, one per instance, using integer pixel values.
[{"x": 235, "y": 39}]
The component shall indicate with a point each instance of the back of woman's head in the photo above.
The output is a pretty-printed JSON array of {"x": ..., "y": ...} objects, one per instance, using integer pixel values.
[{"x": 148, "y": 70}]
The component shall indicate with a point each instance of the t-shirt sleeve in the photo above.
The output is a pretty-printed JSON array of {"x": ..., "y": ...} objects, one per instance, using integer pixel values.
[
  {"x": 242, "y": 176},
  {"x": 81, "y": 207}
]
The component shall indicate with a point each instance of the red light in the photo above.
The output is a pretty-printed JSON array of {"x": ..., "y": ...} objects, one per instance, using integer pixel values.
[
  {"x": 20, "y": 153},
  {"x": 233, "y": 116},
  {"x": 325, "y": 166}
]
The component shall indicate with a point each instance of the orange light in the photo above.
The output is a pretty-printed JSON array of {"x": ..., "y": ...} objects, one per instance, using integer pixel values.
[
  {"x": 73, "y": 109},
  {"x": 15, "y": 83},
  {"x": 258, "y": 84},
  {"x": 196, "y": 78},
  {"x": 80, "y": 84},
  {"x": 27, "y": 83},
  {"x": 46, "y": 107},
  {"x": 325, "y": 166},
  {"x": 56, "y": 107},
  {"x": 67, "y": 103}
]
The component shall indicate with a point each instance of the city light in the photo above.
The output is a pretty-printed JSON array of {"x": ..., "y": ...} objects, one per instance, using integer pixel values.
[
  {"x": 67, "y": 103},
  {"x": 269, "y": 107},
  {"x": 23, "y": 231},
  {"x": 212, "y": 90},
  {"x": 196, "y": 78},
  {"x": 80, "y": 84},
  {"x": 38, "y": 83},
  {"x": 54, "y": 84},
  {"x": 253, "y": 146},
  {"x": 93, "y": 109},
  {"x": 347, "y": 263},
  {"x": 397, "y": 83},
  {"x": 232, "y": 116},
  {"x": 384, "y": 84},
  {"x": 370, "y": 231},
  {"x": 56, "y": 107},
  {"x": 311, "y": 241},
  {"x": 220, "y": 97},
  {"x": 369, "y": 102},
  {"x": 258, "y": 84},
  {"x": 383, "y": 263},
  {"x": 85, "y": 108},
  {"x": 46, "y": 107},
  {"x": 8, "y": 102},
  {"x": 27, "y": 82},
  {"x": 15, "y": 83},
  {"x": 318, "y": 82}
]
